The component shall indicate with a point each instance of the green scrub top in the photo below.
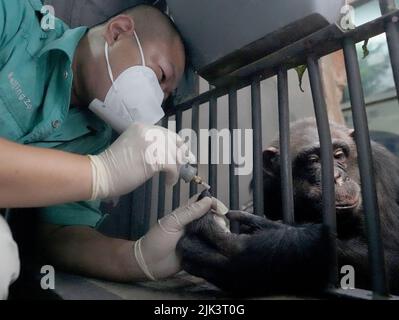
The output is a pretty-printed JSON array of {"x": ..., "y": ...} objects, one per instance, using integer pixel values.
[{"x": 35, "y": 89}]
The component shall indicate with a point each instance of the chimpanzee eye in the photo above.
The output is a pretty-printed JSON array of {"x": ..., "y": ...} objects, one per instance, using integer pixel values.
[
  {"x": 313, "y": 158},
  {"x": 339, "y": 154}
]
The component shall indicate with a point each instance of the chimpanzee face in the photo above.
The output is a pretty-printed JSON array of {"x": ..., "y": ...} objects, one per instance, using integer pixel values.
[{"x": 307, "y": 173}]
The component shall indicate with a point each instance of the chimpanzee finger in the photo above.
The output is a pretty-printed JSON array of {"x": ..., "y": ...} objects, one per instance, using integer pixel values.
[
  {"x": 252, "y": 220},
  {"x": 244, "y": 229}
]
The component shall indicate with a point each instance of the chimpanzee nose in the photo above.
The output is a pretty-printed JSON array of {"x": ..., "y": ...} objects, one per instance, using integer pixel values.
[{"x": 339, "y": 180}]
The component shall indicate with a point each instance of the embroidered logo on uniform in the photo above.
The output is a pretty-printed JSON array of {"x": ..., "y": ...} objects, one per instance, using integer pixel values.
[{"x": 17, "y": 89}]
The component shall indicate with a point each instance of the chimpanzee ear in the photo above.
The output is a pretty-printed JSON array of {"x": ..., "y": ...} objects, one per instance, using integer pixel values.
[
  {"x": 270, "y": 160},
  {"x": 352, "y": 133}
]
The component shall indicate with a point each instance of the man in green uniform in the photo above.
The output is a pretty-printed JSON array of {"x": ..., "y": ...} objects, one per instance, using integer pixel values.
[{"x": 60, "y": 90}]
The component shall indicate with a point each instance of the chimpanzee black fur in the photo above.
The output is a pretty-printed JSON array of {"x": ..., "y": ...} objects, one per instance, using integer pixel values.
[{"x": 269, "y": 257}]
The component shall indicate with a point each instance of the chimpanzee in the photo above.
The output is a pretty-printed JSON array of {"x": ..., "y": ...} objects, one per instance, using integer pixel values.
[{"x": 270, "y": 257}]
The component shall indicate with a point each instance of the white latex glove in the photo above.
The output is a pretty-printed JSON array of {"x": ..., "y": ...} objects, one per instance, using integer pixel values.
[
  {"x": 156, "y": 251},
  {"x": 220, "y": 210},
  {"x": 9, "y": 259},
  {"x": 139, "y": 153}
]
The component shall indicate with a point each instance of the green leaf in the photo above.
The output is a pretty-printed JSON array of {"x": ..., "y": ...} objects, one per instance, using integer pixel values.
[
  {"x": 301, "y": 71},
  {"x": 366, "y": 51}
]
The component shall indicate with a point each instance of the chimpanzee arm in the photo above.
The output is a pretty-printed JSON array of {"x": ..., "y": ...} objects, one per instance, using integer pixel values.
[
  {"x": 287, "y": 259},
  {"x": 354, "y": 252},
  {"x": 275, "y": 258}
]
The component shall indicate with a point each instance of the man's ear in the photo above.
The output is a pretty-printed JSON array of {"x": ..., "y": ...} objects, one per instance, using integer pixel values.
[
  {"x": 118, "y": 27},
  {"x": 271, "y": 158}
]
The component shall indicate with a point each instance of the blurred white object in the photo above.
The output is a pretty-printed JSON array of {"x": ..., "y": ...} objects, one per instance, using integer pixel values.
[{"x": 9, "y": 259}]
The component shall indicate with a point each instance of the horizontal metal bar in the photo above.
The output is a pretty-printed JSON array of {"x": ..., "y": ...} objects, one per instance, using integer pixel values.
[
  {"x": 258, "y": 148},
  {"x": 366, "y": 168},
  {"x": 356, "y": 294},
  {"x": 320, "y": 44},
  {"x": 287, "y": 187},
  {"x": 327, "y": 160}
]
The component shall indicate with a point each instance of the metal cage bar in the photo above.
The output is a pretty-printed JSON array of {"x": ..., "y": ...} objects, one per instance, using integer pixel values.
[
  {"x": 362, "y": 137},
  {"x": 392, "y": 33},
  {"x": 195, "y": 128},
  {"x": 234, "y": 181},
  {"x": 161, "y": 185},
  {"x": 258, "y": 147},
  {"x": 326, "y": 150},
  {"x": 213, "y": 145},
  {"x": 287, "y": 188},
  {"x": 139, "y": 217},
  {"x": 387, "y": 6},
  {"x": 177, "y": 187},
  {"x": 148, "y": 203},
  {"x": 319, "y": 44}
]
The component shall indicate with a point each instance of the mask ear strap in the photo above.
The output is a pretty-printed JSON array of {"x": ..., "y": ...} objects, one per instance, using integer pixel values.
[
  {"x": 108, "y": 64},
  {"x": 141, "y": 48}
]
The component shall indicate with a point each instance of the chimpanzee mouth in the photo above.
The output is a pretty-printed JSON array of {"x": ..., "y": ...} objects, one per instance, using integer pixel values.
[{"x": 344, "y": 206}]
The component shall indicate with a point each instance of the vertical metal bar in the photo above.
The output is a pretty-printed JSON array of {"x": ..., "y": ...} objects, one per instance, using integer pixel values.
[
  {"x": 138, "y": 214},
  {"x": 327, "y": 160},
  {"x": 195, "y": 128},
  {"x": 392, "y": 33},
  {"x": 387, "y": 6},
  {"x": 362, "y": 136},
  {"x": 126, "y": 217},
  {"x": 234, "y": 181},
  {"x": 286, "y": 163},
  {"x": 162, "y": 186},
  {"x": 148, "y": 205},
  {"x": 177, "y": 188},
  {"x": 258, "y": 146},
  {"x": 213, "y": 143}
]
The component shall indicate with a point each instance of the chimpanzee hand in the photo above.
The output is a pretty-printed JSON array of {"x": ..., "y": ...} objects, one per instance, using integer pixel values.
[
  {"x": 265, "y": 257},
  {"x": 250, "y": 223}
]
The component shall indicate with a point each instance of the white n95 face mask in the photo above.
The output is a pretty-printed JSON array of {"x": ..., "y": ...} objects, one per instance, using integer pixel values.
[{"x": 135, "y": 96}]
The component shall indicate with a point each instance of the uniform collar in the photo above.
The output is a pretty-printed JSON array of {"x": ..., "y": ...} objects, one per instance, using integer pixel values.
[
  {"x": 36, "y": 4},
  {"x": 69, "y": 40},
  {"x": 67, "y": 43}
]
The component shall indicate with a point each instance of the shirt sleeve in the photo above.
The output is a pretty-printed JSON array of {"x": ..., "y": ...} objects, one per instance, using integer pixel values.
[
  {"x": 86, "y": 214},
  {"x": 11, "y": 17}
]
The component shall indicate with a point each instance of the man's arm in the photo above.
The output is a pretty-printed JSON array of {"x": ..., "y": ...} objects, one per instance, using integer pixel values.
[
  {"x": 85, "y": 251},
  {"x": 33, "y": 177}
]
